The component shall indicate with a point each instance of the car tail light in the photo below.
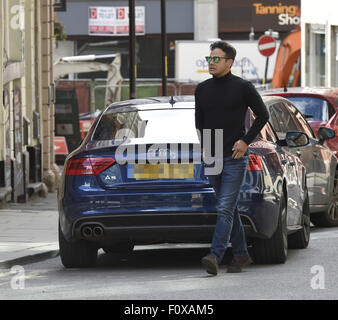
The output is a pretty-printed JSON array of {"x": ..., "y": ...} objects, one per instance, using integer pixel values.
[
  {"x": 88, "y": 166},
  {"x": 255, "y": 163}
]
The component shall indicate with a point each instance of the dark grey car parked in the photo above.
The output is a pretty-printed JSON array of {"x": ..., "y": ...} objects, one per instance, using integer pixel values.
[{"x": 319, "y": 160}]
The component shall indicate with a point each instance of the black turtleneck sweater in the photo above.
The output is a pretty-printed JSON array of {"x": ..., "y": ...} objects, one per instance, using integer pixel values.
[{"x": 222, "y": 103}]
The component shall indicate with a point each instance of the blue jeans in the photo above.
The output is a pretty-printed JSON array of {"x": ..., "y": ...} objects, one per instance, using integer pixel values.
[{"x": 229, "y": 226}]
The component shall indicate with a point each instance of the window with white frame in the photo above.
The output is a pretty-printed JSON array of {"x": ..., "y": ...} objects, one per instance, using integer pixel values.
[
  {"x": 335, "y": 57},
  {"x": 317, "y": 55}
]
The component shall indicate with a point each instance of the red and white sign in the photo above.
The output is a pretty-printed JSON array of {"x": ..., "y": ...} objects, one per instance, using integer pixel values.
[
  {"x": 266, "y": 46},
  {"x": 121, "y": 13},
  {"x": 101, "y": 20},
  {"x": 122, "y": 20},
  {"x": 93, "y": 13},
  {"x": 60, "y": 145},
  {"x": 114, "y": 21}
]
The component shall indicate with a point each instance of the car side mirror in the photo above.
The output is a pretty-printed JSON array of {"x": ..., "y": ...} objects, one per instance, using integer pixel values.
[
  {"x": 325, "y": 134},
  {"x": 296, "y": 139}
]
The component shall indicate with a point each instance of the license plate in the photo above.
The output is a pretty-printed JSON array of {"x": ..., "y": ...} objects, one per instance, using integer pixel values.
[{"x": 161, "y": 171}]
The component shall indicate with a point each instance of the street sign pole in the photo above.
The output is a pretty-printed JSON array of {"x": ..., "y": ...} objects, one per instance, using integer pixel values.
[
  {"x": 266, "y": 70},
  {"x": 164, "y": 48},
  {"x": 132, "y": 52}
]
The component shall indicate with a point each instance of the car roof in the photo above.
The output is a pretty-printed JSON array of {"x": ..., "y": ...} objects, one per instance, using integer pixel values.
[
  {"x": 163, "y": 102},
  {"x": 270, "y": 99},
  {"x": 152, "y": 100},
  {"x": 330, "y": 93},
  {"x": 309, "y": 90}
]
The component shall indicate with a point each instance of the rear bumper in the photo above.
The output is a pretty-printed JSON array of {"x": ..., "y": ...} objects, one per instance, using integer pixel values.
[
  {"x": 156, "y": 217},
  {"x": 149, "y": 228},
  {"x": 154, "y": 228}
]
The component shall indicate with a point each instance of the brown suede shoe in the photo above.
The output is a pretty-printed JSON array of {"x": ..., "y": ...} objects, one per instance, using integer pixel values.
[
  {"x": 210, "y": 264},
  {"x": 238, "y": 263}
]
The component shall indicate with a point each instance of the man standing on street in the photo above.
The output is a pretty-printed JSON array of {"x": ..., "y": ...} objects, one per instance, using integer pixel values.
[{"x": 221, "y": 103}]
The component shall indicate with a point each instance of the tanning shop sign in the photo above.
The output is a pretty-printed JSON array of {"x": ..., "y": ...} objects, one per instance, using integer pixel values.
[
  {"x": 114, "y": 21},
  {"x": 241, "y": 15}
]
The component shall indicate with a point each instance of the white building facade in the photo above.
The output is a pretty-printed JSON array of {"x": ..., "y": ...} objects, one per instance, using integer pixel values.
[{"x": 319, "y": 25}]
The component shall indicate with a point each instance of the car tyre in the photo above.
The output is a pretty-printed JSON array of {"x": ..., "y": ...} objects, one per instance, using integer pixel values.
[
  {"x": 300, "y": 239},
  {"x": 328, "y": 218},
  {"x": 122, "y": 247},
  {"x": 79, "y": 254},
  {"x": 275, "y": 249}
]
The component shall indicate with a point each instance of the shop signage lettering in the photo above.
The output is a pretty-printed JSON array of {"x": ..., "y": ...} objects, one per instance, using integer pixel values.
[
  {"x": 286, "y": 14},
  {"x": 241, "y": 15},
  {"x": 261, "y": 9}
]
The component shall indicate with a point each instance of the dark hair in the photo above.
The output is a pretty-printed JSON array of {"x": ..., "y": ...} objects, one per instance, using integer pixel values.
[{"x": 228, "y": 49}]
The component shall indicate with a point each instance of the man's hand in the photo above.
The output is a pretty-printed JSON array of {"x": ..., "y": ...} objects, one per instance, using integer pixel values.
[{"x": 239, "y": 149}]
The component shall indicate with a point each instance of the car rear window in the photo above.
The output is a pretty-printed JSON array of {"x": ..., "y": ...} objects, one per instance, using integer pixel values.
[
  {"x": 314, "y": 109},
  {"x": 148, "y": 126}
]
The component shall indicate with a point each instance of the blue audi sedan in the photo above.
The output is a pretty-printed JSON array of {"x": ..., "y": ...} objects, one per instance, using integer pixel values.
[{"x": 138, "y": 178}]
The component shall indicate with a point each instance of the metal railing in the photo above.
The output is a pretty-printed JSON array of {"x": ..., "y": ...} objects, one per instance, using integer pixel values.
[{"x": 137, "y": 85}]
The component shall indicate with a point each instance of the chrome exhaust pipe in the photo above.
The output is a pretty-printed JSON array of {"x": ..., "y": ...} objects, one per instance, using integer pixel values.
[
  {"x": 97, "y": 231},
  {"x": 87, "y": 232}
]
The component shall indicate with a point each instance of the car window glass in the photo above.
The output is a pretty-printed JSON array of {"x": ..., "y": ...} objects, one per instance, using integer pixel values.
[
  {"x": 267, "y": 134},
  {"x": 176, "y": 125},
  {"x": 332, "y": 110},
  {"x": 288, "y": 118},
  {"x": 314, "y": 109},
  {"x": 275, "y": 121},
  {"x": 270, "y": 136},
  {"x": 281, "y": 120},
  {"x": 301, "y": 123}
]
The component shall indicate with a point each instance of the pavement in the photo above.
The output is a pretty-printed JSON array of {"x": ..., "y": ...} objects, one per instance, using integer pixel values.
[{"x": 29, "y": 231}]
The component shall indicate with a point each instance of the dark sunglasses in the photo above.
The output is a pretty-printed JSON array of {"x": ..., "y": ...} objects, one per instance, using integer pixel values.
[{"x": 215, "y": 59}]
